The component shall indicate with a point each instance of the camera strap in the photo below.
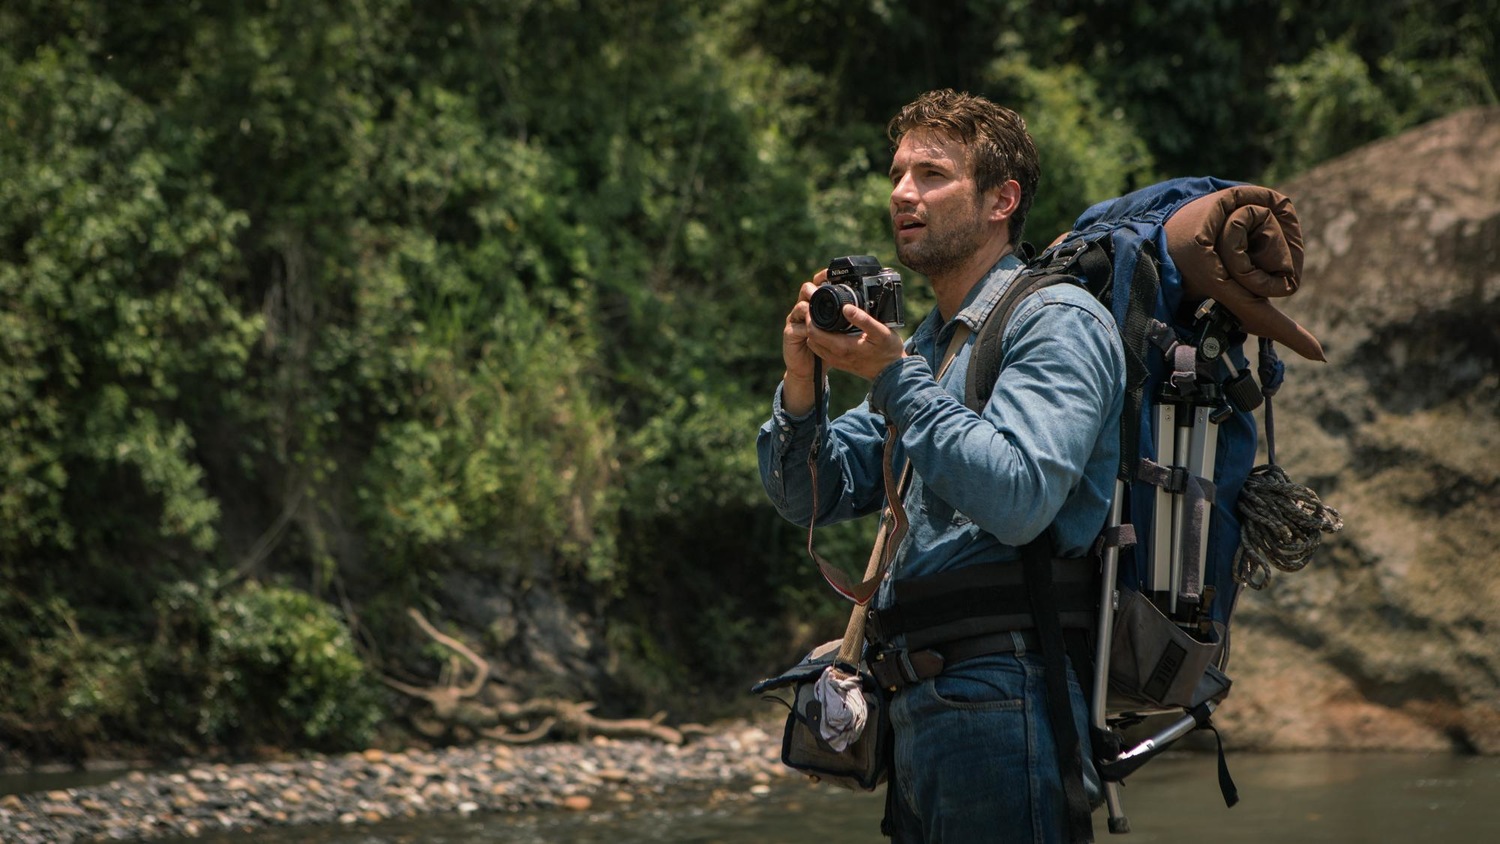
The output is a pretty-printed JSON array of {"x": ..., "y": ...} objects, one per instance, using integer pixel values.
[{"x": 892, "y": 520}]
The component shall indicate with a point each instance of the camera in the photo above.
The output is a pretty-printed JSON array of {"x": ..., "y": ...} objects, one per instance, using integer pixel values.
[{"x": 856, "y": 280}]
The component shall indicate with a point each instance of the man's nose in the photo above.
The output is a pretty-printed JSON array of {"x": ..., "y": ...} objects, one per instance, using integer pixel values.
[{"x": 904, "y": 193}]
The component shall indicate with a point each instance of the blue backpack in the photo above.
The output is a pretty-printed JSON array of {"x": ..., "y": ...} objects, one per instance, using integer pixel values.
[{"x": 1188, "y": 439}]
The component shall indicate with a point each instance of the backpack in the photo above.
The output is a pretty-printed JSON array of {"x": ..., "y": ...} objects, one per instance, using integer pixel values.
[{"x": 1188, "y": 442}]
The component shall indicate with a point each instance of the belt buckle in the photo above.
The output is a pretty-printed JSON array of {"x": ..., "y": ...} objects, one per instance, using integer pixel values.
[{"x": 897, "y": 661}]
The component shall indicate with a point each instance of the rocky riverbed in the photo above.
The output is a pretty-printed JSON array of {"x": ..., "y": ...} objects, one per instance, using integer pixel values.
[{"x": 375, "y": 786}]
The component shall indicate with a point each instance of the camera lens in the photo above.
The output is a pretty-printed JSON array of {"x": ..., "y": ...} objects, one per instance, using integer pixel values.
[{"x": 826, "y": 307}]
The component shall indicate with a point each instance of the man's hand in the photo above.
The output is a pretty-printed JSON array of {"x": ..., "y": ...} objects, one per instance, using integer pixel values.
[
  {"x": 862, "y": 354},
  {"x": 797, "y": 392},
  {"x": 794, "y": 350}
]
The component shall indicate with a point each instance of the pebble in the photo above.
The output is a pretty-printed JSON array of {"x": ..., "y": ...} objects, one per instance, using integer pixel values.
[{"x": 374, "y": 786}]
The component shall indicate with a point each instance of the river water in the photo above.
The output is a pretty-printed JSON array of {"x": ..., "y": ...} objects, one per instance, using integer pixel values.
[{"x": 1284, "y": 798}]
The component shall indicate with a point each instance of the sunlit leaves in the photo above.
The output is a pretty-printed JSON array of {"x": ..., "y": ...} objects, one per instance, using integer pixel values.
[{"x": 113, "y": 287}]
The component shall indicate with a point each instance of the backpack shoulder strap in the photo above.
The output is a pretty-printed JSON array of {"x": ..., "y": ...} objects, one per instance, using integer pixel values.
[{"x": 984, "y": 361}]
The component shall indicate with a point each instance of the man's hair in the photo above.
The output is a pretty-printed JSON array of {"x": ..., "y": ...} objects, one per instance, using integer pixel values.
[{"x": 997, "y": 139}]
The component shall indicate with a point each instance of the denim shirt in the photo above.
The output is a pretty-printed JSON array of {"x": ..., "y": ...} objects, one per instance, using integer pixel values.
[{"x": 1043, "y": 454}]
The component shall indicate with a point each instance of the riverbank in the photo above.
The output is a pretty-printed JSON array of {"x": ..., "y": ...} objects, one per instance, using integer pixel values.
[{"x": 376, "y": 786}]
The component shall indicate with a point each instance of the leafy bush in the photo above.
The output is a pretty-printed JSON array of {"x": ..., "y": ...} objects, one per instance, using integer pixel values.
[
  {"x": 230, "y": 669},
  {"x": 112, "y": 280},
  {"x": 1332, "y": 105},
  {"x": 1337, "y": 97},
  {"x": 66, "y": 693},
  {"x": 256, "y": 665}
]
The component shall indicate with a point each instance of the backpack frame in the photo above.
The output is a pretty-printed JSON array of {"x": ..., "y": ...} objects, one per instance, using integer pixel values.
[{"x": 1188, "y": 441}]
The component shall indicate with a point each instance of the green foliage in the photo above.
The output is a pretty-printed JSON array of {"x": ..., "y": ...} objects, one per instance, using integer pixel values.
[
  {"x": 1339, "y": 97},
  {"x": 113, "y": 284},
  {"x": 226, "y": 669},
  {"x": 1333, "y": 105},
  {"x": 359, "y": 294},
  {"x": 1089, "y": 151},
  {"x": 511, "y": 447},
  {"x": 65, "y": 690},
  {"x": 255, "y": 664}
]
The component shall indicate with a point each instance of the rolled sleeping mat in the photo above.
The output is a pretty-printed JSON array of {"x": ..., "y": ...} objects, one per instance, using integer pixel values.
[{"x": 1242, "y": 247}]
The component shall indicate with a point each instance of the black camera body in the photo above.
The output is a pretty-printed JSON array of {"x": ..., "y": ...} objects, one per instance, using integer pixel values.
[{"x": 856, "y": 280}]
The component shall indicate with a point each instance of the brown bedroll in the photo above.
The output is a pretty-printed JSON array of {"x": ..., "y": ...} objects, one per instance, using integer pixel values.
[{"x": 1242, "y": 247}]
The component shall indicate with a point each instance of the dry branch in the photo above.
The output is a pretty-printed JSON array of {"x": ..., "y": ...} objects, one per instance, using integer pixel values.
[{"x": 456, "y": 706}]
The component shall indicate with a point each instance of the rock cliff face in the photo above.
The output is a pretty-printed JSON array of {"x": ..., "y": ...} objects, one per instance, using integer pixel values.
[{"x": 1390, "y": 639}]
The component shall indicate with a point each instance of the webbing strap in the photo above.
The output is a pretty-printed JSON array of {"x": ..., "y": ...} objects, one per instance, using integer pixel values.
[
  {"x": 1115, "y": 536},
  {"x": 1036, "y": 558},
  {"x": 1182, "y": 358},
  {"x": 888, "y": 535},
  {"x": 1271, "y": 373},
  {"x": 984, "y": 598},
  {"x": 1197, "y": 498},
  {"x": 1170, "y": 478},
  {"x": 1132, "y": 311},
  {"x": 984, "y": 364},
  {"x": 1227, "y": 787}
]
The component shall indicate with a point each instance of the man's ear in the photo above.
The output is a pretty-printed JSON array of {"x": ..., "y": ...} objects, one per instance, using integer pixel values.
[{"x": 1003, "y": 200}]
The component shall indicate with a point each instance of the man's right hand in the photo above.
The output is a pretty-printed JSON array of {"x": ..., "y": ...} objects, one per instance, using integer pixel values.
[{"x": 798, "y": 393}]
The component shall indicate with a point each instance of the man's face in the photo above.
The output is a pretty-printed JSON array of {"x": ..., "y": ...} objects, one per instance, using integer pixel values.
[{"x": 937, "y": 217}]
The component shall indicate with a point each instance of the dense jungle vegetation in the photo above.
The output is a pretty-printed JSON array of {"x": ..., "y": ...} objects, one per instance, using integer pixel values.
[{"x": 308, "y": 306}]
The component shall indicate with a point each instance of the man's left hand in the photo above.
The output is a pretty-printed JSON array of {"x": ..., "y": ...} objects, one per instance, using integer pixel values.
[{"x": 864, "y": 354}]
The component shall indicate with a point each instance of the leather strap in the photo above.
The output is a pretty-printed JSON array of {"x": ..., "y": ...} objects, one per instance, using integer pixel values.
[
  {"x": 898, "y": 668},
  {"x": 893, "y": 520}
]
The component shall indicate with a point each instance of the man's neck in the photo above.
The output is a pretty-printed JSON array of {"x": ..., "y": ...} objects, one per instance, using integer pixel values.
[{"x": 952, "y": 288}]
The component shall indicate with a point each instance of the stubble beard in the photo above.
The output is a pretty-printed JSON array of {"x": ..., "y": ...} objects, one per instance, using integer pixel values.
[{"x": 941, "y": 251}]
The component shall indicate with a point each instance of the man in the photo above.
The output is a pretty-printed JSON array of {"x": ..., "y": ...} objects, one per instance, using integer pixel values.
[{"x": 975, "y": 757}]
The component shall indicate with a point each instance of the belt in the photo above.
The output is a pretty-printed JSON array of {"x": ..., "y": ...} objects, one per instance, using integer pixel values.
[{"x": 898, "y": 668}]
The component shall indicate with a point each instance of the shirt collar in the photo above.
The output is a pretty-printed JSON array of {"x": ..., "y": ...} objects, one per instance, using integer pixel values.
[
  {"x": 976, "y": 307},
  {"x": 986, "y": 294}
]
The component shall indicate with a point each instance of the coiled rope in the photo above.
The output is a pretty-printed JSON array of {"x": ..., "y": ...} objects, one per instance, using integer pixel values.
[{"x": 1283, "y": 524}]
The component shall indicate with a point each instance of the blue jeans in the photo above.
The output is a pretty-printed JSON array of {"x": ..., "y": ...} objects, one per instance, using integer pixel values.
[{"x": 975, "y": 759}]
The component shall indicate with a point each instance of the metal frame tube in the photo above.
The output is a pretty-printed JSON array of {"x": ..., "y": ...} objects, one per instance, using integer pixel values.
[
  {"x": 1202, "y": 456},
  {"x": 1183, "y": 437},
  {"x": 1159, "y": 578},
  {"x": 1107, "y": 597}
]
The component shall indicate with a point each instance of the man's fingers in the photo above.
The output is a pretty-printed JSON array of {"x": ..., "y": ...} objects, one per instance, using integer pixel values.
[
  {"x": 861, "y": 319},
  {"x": 833, "y": 345},
  {"x": 808, "y": 287},
  {"x": 797, "y": 317},
  {"x": 827, "y": 344}
]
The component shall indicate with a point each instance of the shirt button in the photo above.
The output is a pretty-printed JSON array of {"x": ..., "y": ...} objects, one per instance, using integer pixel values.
[{"x": 775, "y": 473}]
